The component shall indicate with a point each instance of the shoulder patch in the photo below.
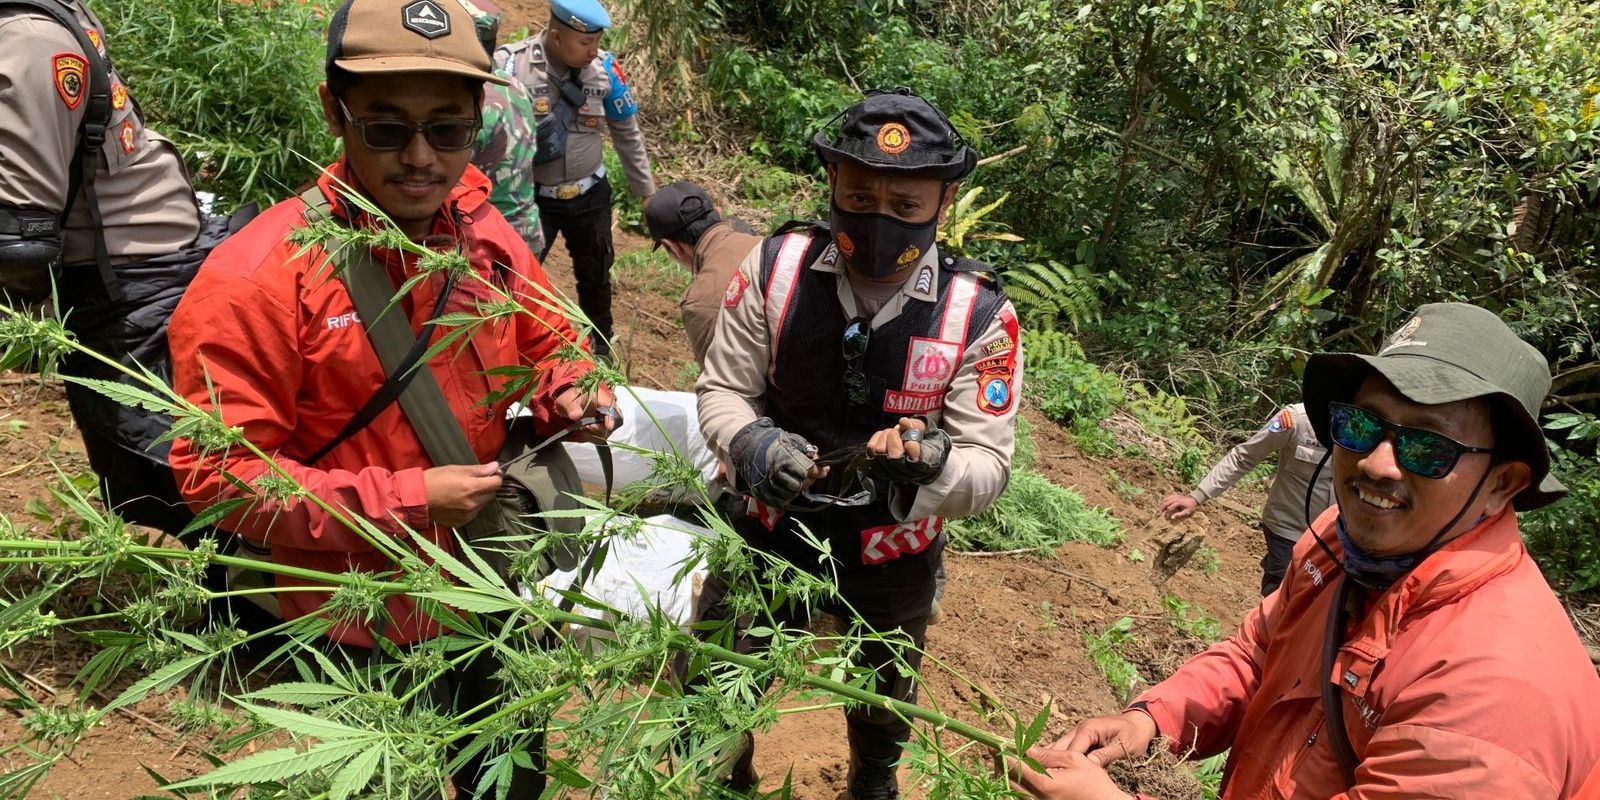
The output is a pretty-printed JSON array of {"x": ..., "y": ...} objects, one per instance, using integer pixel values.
[
  {"x": 94, "y": 39},
  {"x": 119, "y": 96},
  {"x": 995, "y": 391},
  {"x": 735, "y": 291},
  {"x": 1282, "y": 421},
  {"x": 72, "y": 73}
]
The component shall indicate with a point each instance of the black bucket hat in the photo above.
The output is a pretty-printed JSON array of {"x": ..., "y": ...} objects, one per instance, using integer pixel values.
[
  {"x": 1449, "y": 352},
  {"x": 897, "y": 131}
]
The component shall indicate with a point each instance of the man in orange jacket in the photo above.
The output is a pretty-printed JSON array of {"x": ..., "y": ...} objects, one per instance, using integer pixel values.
[
  {"x": 1414, "y": 649},
  {"x": 268, "y": 336}
]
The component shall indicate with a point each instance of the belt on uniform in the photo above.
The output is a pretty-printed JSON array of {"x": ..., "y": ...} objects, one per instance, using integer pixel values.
[{"x": 567, "y": 191}]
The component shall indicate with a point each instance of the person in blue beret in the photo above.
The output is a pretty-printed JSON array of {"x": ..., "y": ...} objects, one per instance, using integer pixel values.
[{"x": 580, "y": 93}]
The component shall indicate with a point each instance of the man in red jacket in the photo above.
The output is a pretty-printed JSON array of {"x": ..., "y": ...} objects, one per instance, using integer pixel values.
[
  {"x": 268, "y": 337},
  {"x": 1414, "y": 649}
]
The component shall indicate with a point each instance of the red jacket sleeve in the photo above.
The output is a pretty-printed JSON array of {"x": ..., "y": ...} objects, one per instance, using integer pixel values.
[
  {"x": 1201, "y": 705},
  {"x": 239, "y": 355}
]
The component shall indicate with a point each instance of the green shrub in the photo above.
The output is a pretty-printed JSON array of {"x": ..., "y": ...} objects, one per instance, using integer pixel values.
[
  {"x": 653, "y": 271},
  {"x": 1105, "y": 652},
  {"x": 1034, "y": 514},
  {"x": 232, "y": 84},
  {"x": 1190, "y": 621},
  {"x": 1062, "y": 382},
  {"x": 1565, "y": 537}
]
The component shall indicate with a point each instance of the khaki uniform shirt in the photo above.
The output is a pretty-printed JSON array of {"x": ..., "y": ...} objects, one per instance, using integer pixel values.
[
  {"x": 1288, "y": 433},
  {"x": 146, "y": 206},
  {"x": 734, "y": 379},
  {"x": 716, "y": 257},
  {"x": 608, "y": 99}
]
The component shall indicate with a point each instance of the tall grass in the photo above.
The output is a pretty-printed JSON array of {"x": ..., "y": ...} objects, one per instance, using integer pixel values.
[{"x": 233, "y": 84}]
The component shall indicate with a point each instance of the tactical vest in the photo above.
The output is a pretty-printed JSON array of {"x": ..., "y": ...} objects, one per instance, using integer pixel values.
[
  {"x": 526, "y": 61},
  {"x": 909, "y": 364}
]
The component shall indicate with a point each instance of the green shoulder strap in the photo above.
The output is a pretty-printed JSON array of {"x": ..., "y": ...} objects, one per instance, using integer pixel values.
[{"x": 422, "y": 400}]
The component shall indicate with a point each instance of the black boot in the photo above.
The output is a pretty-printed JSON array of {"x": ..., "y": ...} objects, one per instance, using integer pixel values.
[
  {"x": 873, "y": 778},
  {"x": 742, "y": 778}
]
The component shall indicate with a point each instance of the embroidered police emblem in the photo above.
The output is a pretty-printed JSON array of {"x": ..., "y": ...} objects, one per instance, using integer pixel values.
[
  {"x": 425, "y": 18},
  {"x": 70, "y": 69},
  {"x": 1282, "y": 421},
  {"x": 591, "y": 122},
  {"x": 126, "y": 137},
  {"x": 910, "y": 256},
  {"x": 846, "y": 244},
  {"x": 119, "y": 96},
  {"x": 735, "y": 290},
  {"x": 995, "y": 397},
  {"x": 893, "y": 138},
  {"x": 94, "y": 39},
  {"x": 541, "y": 106}
]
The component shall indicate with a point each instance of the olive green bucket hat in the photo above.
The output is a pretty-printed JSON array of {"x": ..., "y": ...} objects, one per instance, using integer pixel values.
[{"x": 1449, "y": 352}]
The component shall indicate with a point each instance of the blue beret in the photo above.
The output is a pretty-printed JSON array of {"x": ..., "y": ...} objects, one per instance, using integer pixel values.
[{"x": 584, "y": 16}]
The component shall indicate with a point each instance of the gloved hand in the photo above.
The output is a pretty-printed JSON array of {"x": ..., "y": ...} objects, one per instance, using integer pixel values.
[
  {"x": 773, "y": 464},
  {"x": 913, "y": 452}
]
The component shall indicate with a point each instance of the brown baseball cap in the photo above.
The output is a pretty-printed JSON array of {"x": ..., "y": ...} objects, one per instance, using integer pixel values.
[{"x": 375, "y": 36}]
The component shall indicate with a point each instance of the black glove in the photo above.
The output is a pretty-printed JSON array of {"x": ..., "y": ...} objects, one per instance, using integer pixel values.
[
  {"x": 772, "y": 463},
  {"x": 921, "y": 471}
]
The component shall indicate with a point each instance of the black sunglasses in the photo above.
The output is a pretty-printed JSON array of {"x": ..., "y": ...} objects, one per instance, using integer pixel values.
[
  {"x": 1420, "y": 452},
  {"x": 387, "y": 134},
  {"x": 857, "y": 335}
]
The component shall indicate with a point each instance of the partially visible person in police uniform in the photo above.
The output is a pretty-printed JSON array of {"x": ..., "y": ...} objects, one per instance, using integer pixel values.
[
  {"x": 1285, "y": 516},
  {"x": 152, "y": 228},
  {"x": 508, "y": 141},
  {"x": 579, "y": 90},
  {"x": 682, "y": 218},
  {"x": 863, "y": 333}
]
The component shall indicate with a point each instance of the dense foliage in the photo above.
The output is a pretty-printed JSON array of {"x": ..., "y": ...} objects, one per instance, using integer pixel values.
[
  {"x": 1210, "y": 190},
  {"x": 232, "y": 84}
]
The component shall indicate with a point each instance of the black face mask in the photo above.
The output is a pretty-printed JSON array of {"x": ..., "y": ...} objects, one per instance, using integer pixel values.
[{"x": 878, "y": 245}]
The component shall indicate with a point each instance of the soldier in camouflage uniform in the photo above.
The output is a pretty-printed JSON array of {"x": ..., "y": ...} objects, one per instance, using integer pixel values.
[{"x": 508, "y": 141}]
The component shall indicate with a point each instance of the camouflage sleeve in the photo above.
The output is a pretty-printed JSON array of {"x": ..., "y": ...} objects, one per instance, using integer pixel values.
[{"x": 504, "y": 152}]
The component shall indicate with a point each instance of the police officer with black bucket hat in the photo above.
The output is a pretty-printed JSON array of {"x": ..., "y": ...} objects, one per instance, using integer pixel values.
[{"x": 862, "y": 385}]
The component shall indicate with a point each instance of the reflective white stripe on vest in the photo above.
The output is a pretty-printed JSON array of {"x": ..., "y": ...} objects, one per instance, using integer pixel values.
[
  {"x": 779, "y": 291},
  {"x": 889, "y": 542},
  {"x": 958, "y": 311}
]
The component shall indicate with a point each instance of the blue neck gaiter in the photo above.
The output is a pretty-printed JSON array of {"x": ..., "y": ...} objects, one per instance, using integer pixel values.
[{"x": 1376, "y": 573}]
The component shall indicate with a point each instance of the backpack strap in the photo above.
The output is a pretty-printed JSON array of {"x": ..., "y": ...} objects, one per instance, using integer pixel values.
[
  {"x": 1332, "y": 699},
  {"x": 395, "y": 381},
  {"x": 91, "y": 136}
]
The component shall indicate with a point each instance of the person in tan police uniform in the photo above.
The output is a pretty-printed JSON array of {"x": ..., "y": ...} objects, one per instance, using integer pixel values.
[
  {"x": 117, "y": 296},
  {"x": 1285, "y": 515},
  {"x": 863, "y": 384},
  {"x": 682, "y": 218},
  {"x": 580, "y": 91}
]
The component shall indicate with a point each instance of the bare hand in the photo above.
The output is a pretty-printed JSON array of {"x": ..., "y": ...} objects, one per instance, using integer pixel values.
[
  {"x": 887, "y": 443},
  {"x": 457, "y": 493},
  {"x": 1069, "y": 777},
  {"x": 575, "y": 405},
  {"x": 1177, "y": 506},
  {"x": 1104, "y": 739}
]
